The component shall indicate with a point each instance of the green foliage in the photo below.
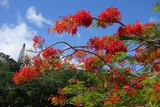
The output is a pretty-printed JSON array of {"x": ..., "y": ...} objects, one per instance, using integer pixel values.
[
  {"x": 120, "y": 56},
  {"x": 36, "y": 91},
  {"x": 93, "y": 99},
  {"x": 75, "y": 89},
  {"x": 7, "y": 63},
  {"x": 80, "y": 93},
  {"x": 157, "y": 6},
  {"x": 149, "y": 81}
]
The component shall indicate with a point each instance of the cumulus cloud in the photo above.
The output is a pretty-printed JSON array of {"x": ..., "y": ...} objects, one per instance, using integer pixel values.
[
  {"x": 36, "y": 18},
  {"x": 4, "y": 3},
  {"x": 14, "y": 36}
]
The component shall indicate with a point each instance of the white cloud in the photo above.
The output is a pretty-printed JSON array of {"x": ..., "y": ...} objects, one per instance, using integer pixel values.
[
  {"x": 153, "y": 19},
  {"x": 4, "y": 3},
  {"x": 78, "y": 35},
  {"x": 12, "y": 37},
  {"x": 36, "y": 18}
]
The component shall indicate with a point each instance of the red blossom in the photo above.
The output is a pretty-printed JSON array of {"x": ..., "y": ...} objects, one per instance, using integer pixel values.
[
  {"x": 109, "y": 17},
  {"x": 109, "y": 44},
  {"x": 156, "y": 87},
  {"x": 139, "y": 50},
  {"x": 57, "y": 99},
  {"x": 50, "y": 52},
  {"x": 115, "y": 99},
  {"x": 37, "y": 62},
  {"x": 17, "y": 78},
  {"x": 66, "y": 24},
  {"x": 83, "y": 18},
  {"x": 119, "y": 76},
  {"x": 24, "y": 74},
  {"x": 130, "y": 91},
  {"x": 133, "y": 29},
  {"x": 108, "y": 57},
  {"x": 78, "y": 103},
  {"x": 34, "y": 73},
  {"x": 62, "y": 91},
  {"x": 107, "y": 102},
  {"x": 92, "y": 88},
  {"x": 146, "y": 55},
  {"x": 120, "y": 32},
  {"x": 89, "y": 64},
  {"x": 58, "y": 65},
  {"x": 136, "y": 29},
  {"x": 73, "y": 81},
  {"x": 80, "y": 55},
  {"x": 112, "y": 100},
  {"x": 138, "y": 85},
  {"x": 70, "y": 23},
  {"x": 95, "y": 43},
  {"x": 115, "y": 88},
  {"x": 38, "y": 41},
  {"x": 156, "y": 67},
  {"x": 128, "y": 69},
  {"x": 149, "y": 25}
]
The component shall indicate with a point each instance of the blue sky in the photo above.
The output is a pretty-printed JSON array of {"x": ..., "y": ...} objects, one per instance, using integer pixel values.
[{"x": 21, "y": 20}]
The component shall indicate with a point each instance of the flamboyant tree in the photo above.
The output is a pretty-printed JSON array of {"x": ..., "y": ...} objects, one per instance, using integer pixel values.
[{"x": 121, "y": 69}]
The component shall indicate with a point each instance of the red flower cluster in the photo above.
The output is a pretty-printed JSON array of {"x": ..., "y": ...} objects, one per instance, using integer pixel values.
[
  {"x": 112, "y": 100},
  {"x": 78, "y": 103},
  {"x": 156, "y": 87},
  {"x": 109, "y": 17},
  {"x": 24, "y": 74},
  {"x": 152, "y": 56},
  {"x": 38, "y": 41},
  {"x": 156, "y": 67},
  {"x": 90, "y": 64},
  {"x": 108, "y": 57},
  {"x": 37, "y": 62},
  {"x": 83, "y": 18},
  {"x": 66, "y": 24},
  {"x": 57, "y": 99},
  {"x": 109, "y": 44},
  {"x": 50, "y": 52},
  {"x": 70, "y": 23},
  {"x": 80, "y": 55},
  {"x": 46, "y": 62},
  {"x": 130, "y": 90},
  {"x": 134, "y": 29}
]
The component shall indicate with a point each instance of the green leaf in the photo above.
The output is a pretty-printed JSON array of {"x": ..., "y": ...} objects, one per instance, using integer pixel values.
[
  {"x": 149, "y": 81},
  {"x": 120, "y": 56},
  {"x": 95, "y": 25},
  {"x": 156, "y": 7},
  {"x": 76, "y": 88},
  {"x": 77, "y": 98},
  {"x": 145, "y": 69},
  {"x": 29, "y": 50}
]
